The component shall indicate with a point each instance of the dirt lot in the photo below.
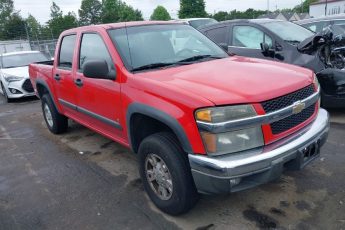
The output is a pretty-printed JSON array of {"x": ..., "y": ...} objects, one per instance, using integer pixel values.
[{"x": 81, "y": 180}]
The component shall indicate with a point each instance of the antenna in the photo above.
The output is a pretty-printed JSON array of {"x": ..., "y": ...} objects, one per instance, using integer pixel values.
[{"x": 129, "y": 48}]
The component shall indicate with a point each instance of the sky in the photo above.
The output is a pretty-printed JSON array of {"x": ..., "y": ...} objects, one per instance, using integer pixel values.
[{"x": 40, "y": 9}]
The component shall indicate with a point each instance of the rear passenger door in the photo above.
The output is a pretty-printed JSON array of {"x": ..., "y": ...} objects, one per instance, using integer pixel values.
[
  {"x": 63, "y": 76},
  {"x": 99, "y": 101},
  {"x": 245, "y": 40}
]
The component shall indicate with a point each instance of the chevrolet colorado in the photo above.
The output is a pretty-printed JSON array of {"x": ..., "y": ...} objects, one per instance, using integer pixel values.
[{"x": 199, "y": 119}]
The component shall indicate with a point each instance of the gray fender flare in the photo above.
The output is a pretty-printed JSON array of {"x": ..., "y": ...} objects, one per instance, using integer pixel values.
[
  {"x": 45, "y": 85},
  {"x": 163, "y": 117}
]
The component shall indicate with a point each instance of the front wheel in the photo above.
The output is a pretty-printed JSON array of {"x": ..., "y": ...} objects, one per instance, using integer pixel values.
[
  {"x": 5, "y": 93},
  {"x": 56, "y": 122},
  {"x": 166, "y": 174}
]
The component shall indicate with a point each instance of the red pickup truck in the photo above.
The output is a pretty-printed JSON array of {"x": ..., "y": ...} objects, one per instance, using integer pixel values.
[{"x": 199, "y": 119}]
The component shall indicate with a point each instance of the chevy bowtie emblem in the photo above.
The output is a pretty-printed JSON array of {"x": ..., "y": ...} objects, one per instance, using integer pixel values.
[{"x": 298, "y": 107}]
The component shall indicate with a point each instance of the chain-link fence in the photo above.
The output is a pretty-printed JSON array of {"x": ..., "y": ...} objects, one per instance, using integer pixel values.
[{"x": 39, "y": 39}]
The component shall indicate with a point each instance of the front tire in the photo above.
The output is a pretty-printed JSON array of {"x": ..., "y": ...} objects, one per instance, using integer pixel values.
[
  {"x": 5, "y": 93},
  {"x": 166, "y": 174},
  {"x": 56, "y": 122}
]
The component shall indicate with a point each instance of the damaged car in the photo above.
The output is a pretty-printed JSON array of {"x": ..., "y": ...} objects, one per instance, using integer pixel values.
[{"x": 290, "y": 43}]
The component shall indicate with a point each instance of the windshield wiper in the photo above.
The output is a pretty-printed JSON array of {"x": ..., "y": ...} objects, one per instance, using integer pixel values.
[
  {"x": 197, "y": 58},
  {"x": 159, "y": 65},
  {"x": 292, "y": 41},
  {"x": 152, "y": 66}
]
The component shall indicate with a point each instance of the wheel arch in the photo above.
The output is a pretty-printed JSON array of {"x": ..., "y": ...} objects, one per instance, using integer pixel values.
[
  {"x": 163, "y": 121},
  {"x": 43, "y": 88}
]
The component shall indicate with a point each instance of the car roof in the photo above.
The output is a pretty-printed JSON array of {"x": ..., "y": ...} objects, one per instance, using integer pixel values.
[
  {"x": 324, "y": 18},
  {"x": 190, "y": 19},
  {"x": 20, "y": 52},
  {"x": 122, "y": 25},
  {"x": 255, "y": 21}
]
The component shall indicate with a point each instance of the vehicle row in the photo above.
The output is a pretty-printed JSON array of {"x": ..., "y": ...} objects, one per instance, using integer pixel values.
[{"x": 286, "y": 42}]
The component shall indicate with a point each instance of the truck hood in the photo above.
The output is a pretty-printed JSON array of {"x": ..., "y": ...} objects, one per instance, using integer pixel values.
[
  {"x": 22, "y": 71},
  {"x": 234, "y": 80}
]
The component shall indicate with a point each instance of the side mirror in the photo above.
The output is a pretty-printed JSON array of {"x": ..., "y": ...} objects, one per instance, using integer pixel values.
[
  {"x": 224, "y": 46},
  {"x": 98, "y": 69}
]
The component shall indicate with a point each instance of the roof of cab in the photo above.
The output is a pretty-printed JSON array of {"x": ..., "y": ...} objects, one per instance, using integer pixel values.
[
  {"x": 257, "y": 21},
  {"x": 123, "y": 24}
]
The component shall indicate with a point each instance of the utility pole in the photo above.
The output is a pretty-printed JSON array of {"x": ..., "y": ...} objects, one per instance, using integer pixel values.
[
  {"x": 326, "y": 8},
  {"x": 268, "y": 6}
]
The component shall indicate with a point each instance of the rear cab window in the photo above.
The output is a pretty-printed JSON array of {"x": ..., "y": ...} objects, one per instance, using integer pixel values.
[{"x": 65, "y": 60}]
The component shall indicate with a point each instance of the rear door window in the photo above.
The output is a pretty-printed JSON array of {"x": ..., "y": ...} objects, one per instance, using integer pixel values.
[{"x": 66, "y": 51}]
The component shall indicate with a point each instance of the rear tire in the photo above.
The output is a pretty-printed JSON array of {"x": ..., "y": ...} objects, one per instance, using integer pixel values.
[
  {"x": 169, "y": 184},
  {"x": 56, "y": 122}
]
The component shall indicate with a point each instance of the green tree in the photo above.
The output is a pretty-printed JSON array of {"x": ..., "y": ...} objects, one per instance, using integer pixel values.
[
  {"x": 192, "y": 9},
  {"x": 160, "y": 13},
  {"x": 118, "y": 11},
  {"x": 14, "y": 28},
  {"x": 60, "y": 22},
  {"x": 55, "y": 11},
  {"x": 221, "y": 16},
  {"x": 33, "y": 26},
  {"x": 90, "y": 12},
  {"x": 6, "y": 10}
]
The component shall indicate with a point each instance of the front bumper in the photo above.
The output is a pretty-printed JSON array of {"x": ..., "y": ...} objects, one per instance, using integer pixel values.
[
  {"x": 17, "y": 85},
  {"x": 235, "y": 172}
]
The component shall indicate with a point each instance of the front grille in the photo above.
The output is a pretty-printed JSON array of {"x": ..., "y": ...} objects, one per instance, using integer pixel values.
[
  {"x": 287, "y": 100},
  {"x": 27, "y": 86},
  {"x": 292, "y": 121}
]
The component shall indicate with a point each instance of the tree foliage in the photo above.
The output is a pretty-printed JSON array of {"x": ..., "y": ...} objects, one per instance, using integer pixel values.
[
  {"x": 118, "y": 11},
  {"x": 90, "y": 12},
  {"x": 251, "y": 13},
  {"x": 55, "y": 11},
  {"x": 60, "y": 22},
  {"x": 13, "y": 28},
  {"x": 192, "y": 9},
  {"x": 234, "y": 14},
  {"x": 160, "y": 13}
]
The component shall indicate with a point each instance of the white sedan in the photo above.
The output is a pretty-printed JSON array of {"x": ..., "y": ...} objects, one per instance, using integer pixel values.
[{"x": 14, "y": 75}]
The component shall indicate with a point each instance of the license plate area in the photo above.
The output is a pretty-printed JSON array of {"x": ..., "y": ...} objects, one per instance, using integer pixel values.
[{"x": 309, "y": 153}]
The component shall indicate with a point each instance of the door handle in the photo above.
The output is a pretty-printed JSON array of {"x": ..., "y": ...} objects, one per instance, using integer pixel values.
[
  {"x": 57, "y": 77},
  {"x": 78, "y": 82}
]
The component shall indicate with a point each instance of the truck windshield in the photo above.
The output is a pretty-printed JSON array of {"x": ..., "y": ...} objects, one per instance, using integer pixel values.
[
  {"x": 24, "y": 59},
  {"x": 160, "y": 46},
  {"x": 288, "y": 31}
]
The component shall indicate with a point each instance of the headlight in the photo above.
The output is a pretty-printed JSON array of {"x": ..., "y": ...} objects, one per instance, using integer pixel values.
[
  {"x": 222, "y": 114},
  {"x": 11, "y": 78},
  {"x": 316, "y": 83},
  {"x": 233, "y": 141}
]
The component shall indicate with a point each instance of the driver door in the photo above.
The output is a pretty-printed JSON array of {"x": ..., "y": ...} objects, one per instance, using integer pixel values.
[
  {"x": 99, "y": 101},
  {"x": 245, "y": 41}
]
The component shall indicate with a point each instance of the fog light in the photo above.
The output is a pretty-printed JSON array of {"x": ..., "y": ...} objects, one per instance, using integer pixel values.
[
  {"x": 234, "y": 182},
  {"x": 14, "y": 91}
]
